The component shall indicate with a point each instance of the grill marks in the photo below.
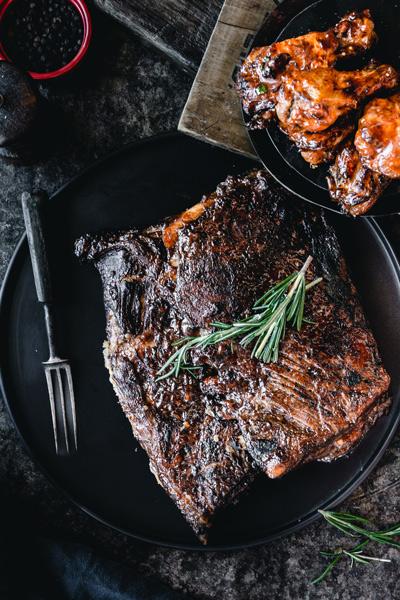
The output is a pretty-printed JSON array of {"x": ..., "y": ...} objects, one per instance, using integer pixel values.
[{"x": 208, "y": 437}]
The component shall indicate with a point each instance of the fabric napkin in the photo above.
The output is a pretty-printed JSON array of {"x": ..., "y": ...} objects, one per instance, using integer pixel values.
[{"x": 36, "y": 568}]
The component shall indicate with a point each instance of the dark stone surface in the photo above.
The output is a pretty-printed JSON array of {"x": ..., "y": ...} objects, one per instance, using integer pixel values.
[{"x": 135, "y": 92}]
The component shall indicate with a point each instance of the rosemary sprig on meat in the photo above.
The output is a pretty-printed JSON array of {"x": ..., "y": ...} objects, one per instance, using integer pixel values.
[
  {"x": 354, "y": 525},
  {"x": 264, "y": 328}
]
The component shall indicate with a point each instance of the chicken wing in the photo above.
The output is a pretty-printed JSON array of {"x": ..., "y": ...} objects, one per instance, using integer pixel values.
[
  {"x": 260, "y": 75},
  {"x": 314, "y": 100},
  {"x": 352, "y": 185},
  {"x": 378, "y": 136},
  {"x": 365, "y": 168},
  {"x": 321, "y": 147}
]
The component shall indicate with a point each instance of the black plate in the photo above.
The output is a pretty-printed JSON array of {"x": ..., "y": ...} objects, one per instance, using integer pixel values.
[
  {"x": 110, "y": 477},
  {"x": 280, "y": 156}
]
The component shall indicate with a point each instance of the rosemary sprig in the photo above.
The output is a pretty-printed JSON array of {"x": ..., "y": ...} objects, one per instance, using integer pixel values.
[
  {"x": 354, "y": 525},
  {"x": 264, "y": 328}
]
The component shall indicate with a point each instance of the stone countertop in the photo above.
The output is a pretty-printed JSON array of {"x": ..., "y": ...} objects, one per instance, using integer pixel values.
[{"x": 134, "y": 92}]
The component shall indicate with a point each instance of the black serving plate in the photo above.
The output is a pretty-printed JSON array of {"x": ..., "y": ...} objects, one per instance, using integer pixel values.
[
  {"x": 109, "y": 477},
  {"x": 280, "y": 156}
]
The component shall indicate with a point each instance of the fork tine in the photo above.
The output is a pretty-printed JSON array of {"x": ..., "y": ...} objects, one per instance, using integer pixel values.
[
  {"x": 72, "y": 403},
  {"x": 63, "y": 412},
  {"x": 62, "y": 403},
  {"x": 52, "y": 406}
]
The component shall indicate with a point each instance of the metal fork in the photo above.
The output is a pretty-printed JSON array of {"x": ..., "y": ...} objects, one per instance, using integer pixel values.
[{"x": 57, "y": 370}]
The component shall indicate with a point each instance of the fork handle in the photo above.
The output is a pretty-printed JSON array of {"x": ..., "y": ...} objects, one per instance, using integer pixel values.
[{"x": 32, "y": 209}]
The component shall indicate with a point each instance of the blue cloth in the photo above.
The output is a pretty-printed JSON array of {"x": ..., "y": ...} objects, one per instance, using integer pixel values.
[
  {"x": 34, "y": 568},
  {"x": 66, "y": 571}
]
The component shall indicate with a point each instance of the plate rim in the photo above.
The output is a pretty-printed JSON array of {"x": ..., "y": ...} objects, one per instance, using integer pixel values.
[{"x": 6, "y": 291}]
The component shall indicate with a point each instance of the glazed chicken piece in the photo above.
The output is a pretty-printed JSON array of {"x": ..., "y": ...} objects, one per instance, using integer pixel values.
[
  {"x": 314, "y": 100},
  {"x": 352, "y": 185},
  {"x": 321, "y": 147},
  {"x": 365, "y": 168},
  {"x": 260, "y": 75},
  {"x": 378, "y": 136}
]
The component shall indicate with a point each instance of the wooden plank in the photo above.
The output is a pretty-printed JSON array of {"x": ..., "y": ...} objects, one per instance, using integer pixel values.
[
  {"x": 212, "y": 112},
  {"x": 180, "y": 28}
]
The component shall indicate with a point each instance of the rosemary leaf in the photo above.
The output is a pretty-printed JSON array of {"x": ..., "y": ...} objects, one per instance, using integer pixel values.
[
  {"x": 264, "y": 328},
  {"x": 327, "y": 569},
  {"x": 355, "y": 525},
  {"x": 348, "y": 524}
]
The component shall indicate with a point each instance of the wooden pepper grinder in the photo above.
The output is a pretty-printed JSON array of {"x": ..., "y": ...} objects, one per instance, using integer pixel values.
[{"x": 22, "y": 122}]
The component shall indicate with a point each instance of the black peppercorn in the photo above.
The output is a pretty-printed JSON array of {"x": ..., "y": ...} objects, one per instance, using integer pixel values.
[{"x": 42, "y": 36}]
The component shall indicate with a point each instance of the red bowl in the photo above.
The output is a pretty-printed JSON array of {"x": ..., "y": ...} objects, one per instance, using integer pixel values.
[{"x": 83, "y": 10}]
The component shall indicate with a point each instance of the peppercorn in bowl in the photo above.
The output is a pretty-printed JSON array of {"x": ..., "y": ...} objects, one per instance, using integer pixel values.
[{"x": 47, "y": 39}]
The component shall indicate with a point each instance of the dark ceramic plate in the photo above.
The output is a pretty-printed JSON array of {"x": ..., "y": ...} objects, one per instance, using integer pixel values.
[
  {"x": 297, "y": 17},
  {"x": 109, "y": 477}
]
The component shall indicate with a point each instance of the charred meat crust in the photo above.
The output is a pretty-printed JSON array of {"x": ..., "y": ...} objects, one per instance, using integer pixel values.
[
  {"x": 353, "y": 185},
  {"x": 207, "y": 438}
]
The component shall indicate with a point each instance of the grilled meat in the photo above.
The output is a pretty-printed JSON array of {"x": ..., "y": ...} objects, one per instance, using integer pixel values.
[
  {"x": 207, "y": 437},
  {"x": 316, "y": 109},
  {"x": 365, "y": 167},
  {"x": 294, "y": 82},
  {"x": 260, "y": 76},
  {"x": 199, "y": 459},
  {"x": 322, "y": 146},
  {"x": 352, "y": 185},
  {"x": 378, "y": 136},
  {"x": 313, "y": 101}
]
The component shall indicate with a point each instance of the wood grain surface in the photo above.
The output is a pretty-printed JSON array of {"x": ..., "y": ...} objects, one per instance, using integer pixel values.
[{"x": 180, "y": 28}]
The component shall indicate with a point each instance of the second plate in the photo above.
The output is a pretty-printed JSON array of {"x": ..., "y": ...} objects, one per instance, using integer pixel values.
[{"x": 280, "y": 156}]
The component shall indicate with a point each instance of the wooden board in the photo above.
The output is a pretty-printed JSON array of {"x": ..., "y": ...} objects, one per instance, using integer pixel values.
[
  {"x": 212, "y": 112},
  {"x": 180, "y": 28}
]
